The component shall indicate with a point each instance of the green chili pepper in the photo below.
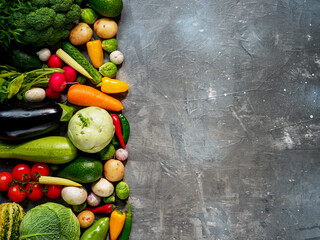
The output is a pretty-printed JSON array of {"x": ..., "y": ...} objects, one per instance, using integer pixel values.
[
  {"x": 125, "y": 129},
  {"x": 98, "y": 231},
  {"x": 127, "y": 225}
]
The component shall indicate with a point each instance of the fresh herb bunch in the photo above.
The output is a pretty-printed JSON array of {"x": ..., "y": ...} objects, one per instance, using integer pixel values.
[{"x": 8, "y": 32}]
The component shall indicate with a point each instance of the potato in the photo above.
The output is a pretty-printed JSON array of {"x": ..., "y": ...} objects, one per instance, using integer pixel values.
[
  {"x": 80, "y": 34},
  {"x": 85, "y": 218},
  {"x": 114, "y": 170},
  {"x": 105, "y": 28}
]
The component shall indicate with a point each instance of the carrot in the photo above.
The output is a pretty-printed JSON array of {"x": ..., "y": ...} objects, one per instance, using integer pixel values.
[{"x": 84, "y": 95}]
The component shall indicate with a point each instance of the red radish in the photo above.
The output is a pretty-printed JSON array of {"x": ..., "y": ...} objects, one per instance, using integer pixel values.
[
  {"x": 57, "y": 82},
  {"x": 69, "y": 73},
  {"x": 54, "y": 61},
  {"x": 52, "y": 94}
]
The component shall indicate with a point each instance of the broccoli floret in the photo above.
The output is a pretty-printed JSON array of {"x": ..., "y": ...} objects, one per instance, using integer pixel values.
[
  {"x": 30, "y": 36},
  {"x": 74, "y": 13},
  {"x": 79, "y": 2},
  {"x": 61, "y": 5},
  {"x": 60, "y": 20},
  {"x": 41, "y": 18},
  {"x": 40, "y": 3},
  {"x": 58, "y": 35},
  {"x": 45, "y": 26},
  {"x": 68, "y": 26},
  {"x": 46, "y": 34},
  {"x": 18, "y": 20}
]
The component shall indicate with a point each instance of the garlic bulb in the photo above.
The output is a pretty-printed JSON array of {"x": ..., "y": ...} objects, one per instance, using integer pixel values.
[{"x": 44, "y": 54}]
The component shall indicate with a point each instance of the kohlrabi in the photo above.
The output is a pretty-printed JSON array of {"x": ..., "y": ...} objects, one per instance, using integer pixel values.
[{"x": 91, "y": 129}]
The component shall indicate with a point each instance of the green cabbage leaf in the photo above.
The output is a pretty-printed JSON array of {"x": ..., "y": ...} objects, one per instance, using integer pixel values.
[{"x": 50, "y": 221}]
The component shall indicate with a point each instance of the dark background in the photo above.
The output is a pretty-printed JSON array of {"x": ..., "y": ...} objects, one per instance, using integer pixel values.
[{"x": 224, "y": 112}]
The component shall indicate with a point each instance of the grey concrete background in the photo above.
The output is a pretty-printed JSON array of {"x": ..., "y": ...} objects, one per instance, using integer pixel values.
[
  {"x": 224, "y": 113},
  {"x": 224, "y": 107}
]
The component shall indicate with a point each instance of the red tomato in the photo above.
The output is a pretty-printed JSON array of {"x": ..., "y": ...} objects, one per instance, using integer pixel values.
[
  {"x": 21, "y": 172},
  {"x": 34, "y": 192},
  {"x": 41, "y": 168},
  {"x": 5, "y": 179},
  {"x": 16, "y": 194},
  {"x": 54, "y": 191}
]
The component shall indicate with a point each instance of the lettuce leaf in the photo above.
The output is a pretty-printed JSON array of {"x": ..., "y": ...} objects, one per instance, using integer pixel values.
[{"x": 50, "y": 221}]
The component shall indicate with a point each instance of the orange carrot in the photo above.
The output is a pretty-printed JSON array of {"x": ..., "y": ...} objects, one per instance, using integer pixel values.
[{"x": 87, "y": 96}]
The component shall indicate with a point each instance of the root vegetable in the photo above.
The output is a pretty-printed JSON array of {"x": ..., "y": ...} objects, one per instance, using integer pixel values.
[
  {"x": 114, "y": 170},
  {"x": 52, "y": 94},
  {"x": 69, "y": 73},
  {"x": 85, "y": 218},
  {"x": 103, "y": 188},
  {"x": 54, "y": 61},
  {"x": 74, "y": 195},
  {"x": 35, "y": 94},
  {"x": 93, "y": 200},
  {"x": 122, "y": 154},
  {"x": 80, "y": 34},
  {"x": 105, "y": 28}
]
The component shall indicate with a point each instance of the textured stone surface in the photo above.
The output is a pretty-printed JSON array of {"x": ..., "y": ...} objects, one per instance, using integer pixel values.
[{"x": 224, "y": 113}]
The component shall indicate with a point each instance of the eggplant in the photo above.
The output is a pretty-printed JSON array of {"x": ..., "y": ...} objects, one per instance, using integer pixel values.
[{"x": 26, "y": 120}]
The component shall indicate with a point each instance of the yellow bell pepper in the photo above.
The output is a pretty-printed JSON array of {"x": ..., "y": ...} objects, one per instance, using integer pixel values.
[
  {"x": 110, "y": 85},
  {"x": 95, "y": 52}
]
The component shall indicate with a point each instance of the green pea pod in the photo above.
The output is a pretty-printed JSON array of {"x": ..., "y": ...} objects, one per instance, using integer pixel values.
[
  {"x": 125, "y": 129},
  {"x": 98, "y": 231}
]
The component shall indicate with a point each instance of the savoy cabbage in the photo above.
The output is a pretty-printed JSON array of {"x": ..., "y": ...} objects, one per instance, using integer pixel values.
[{"x": 50, "y": 221}]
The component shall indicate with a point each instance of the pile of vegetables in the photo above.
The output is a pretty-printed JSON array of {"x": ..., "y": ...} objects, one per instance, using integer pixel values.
[{"x": 64, "y": 121}]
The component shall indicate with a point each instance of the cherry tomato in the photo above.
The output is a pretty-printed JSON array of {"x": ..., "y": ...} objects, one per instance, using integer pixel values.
[
  {"x": 21, "y": 172},
  {"x": 54, "y": 191},
  {"x": 15, "y": 194},
  {"x": 41, "y": 168},
  {"x": 5, "y": 179},
  {"x": 34, "y": 192}
]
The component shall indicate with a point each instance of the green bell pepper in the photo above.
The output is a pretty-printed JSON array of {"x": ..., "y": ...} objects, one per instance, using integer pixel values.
[{"x": 98, "y": 231}]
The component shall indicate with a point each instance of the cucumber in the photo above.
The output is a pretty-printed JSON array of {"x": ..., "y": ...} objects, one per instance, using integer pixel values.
[
  {"x": 52, "y": 149},
  {"x": 82, "y": 170},
  {"x": 83, "y": 61},
  {"x": 24, "y": 61}
]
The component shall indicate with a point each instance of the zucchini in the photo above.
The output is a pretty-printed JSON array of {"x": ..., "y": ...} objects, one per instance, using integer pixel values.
[
  {"x": 52, "y": 149},
  {"x": 11, "y": 215},
  {"x": 83, "y": 61},
  {"x": 28, "y": 120}
]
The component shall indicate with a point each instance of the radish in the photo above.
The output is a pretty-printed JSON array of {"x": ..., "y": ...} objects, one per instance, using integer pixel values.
[
  {"x": 54, "y": 61},
  {"x": 57, "y": 82},
  {"x": 52, "y": 94},
  {"x": 69, "y": 73}
]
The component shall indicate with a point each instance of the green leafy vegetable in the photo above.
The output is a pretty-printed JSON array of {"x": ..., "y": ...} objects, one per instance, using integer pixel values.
[
  {"x": 13, "y": 83},
  {"x": 50, "y": 221}
]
